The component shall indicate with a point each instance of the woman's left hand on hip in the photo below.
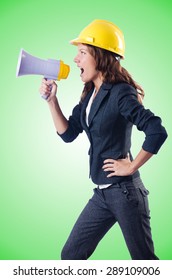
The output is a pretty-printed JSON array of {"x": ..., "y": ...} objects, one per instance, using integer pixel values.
[{"x": 120, "y": 167}]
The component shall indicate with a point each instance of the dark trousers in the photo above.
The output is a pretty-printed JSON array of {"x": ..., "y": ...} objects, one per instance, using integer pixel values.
[{"x": 125, "y": 203}]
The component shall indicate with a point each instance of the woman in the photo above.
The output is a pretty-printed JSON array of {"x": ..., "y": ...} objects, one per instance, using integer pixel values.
[{"x": 110, "y": 104}]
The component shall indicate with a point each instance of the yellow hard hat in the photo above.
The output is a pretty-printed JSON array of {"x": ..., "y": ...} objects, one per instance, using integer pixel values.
[{"x": 102, "y": 34}]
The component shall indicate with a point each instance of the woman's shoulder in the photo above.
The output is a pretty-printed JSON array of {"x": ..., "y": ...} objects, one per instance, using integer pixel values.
[
  {"x": 119, "y": 90},
  {"x": 123, "y": 86}
]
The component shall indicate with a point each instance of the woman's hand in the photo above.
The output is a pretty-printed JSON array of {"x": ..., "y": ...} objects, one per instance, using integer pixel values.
[
  {"x": 120, "y": 167},
  {"x": 48, "y": 89}
]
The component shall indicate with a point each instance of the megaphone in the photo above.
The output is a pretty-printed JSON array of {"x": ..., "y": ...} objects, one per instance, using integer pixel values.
[{"x": 51, "y": 69}]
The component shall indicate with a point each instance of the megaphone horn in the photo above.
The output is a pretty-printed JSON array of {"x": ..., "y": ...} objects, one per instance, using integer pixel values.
[{"x": 51, "y": 69}]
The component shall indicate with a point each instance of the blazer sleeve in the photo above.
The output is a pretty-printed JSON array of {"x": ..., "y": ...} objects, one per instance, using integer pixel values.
[
  {"x": 74, "y": 125},
  {"x": 144, "y": 119}
]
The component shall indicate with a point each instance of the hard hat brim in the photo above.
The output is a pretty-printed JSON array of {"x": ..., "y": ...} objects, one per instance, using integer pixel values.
[{"x": 77, "y": 41}]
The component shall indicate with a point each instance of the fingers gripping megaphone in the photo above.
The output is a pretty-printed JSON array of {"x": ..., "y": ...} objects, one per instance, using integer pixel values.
[{"x": 51, "y": 69}]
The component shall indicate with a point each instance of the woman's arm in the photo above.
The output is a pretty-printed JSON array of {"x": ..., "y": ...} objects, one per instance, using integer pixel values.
[
  {"x": 60, "y": 122},
  {"x": 126, "y": 167},
  {"x": 67, "y": 129},
  {"x": 145, "y": 121},
  {"x": 48, "y": 89}
]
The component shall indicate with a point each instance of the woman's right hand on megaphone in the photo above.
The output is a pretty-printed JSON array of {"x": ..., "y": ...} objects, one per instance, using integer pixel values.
[{"x": 48, "y": 89}]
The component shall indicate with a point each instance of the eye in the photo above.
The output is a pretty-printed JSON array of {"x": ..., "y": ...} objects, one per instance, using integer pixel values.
[{"x": 83, "y": 52}]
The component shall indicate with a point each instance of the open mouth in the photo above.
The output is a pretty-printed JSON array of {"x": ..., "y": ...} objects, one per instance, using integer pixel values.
[{"x": 82, "y": 70}]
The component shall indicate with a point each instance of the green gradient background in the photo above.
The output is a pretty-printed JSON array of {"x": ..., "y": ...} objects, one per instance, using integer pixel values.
[{"x": 43, "y": 182}]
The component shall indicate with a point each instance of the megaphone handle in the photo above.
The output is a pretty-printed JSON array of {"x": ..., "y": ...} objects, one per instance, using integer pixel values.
[{"x": 46, "y": 96}]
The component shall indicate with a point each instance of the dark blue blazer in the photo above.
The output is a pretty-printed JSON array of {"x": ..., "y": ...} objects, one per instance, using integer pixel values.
[{"x": 113, "y": 112}]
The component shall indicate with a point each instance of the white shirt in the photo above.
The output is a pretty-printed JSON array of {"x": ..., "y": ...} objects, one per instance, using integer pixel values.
[{"x": 89, "y": 106}]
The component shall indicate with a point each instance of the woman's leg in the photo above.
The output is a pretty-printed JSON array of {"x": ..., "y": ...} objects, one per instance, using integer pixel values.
[
  {"x": 129, "y": 203},
  {"x": 92, "y": 224}
]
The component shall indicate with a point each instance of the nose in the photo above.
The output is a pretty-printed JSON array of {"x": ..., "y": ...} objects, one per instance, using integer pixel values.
[{"x": 76, "y": 59}]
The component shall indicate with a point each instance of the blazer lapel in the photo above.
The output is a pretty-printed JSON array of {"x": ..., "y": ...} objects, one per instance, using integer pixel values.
[{"x": 104, "y": 89}]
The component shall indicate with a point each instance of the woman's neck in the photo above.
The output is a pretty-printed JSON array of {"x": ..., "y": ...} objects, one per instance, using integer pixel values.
[{"x": 98, "y": 82}]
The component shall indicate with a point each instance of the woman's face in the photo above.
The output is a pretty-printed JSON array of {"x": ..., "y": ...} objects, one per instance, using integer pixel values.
[{"x": 86, "y": 62}]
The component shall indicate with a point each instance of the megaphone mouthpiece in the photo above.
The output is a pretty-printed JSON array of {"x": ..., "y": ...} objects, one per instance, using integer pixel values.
[{"x": 63, "y": 71}]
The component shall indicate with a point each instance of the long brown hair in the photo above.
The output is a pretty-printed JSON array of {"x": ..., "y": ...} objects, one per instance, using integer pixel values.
[{"x": 108, "y": 64}]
